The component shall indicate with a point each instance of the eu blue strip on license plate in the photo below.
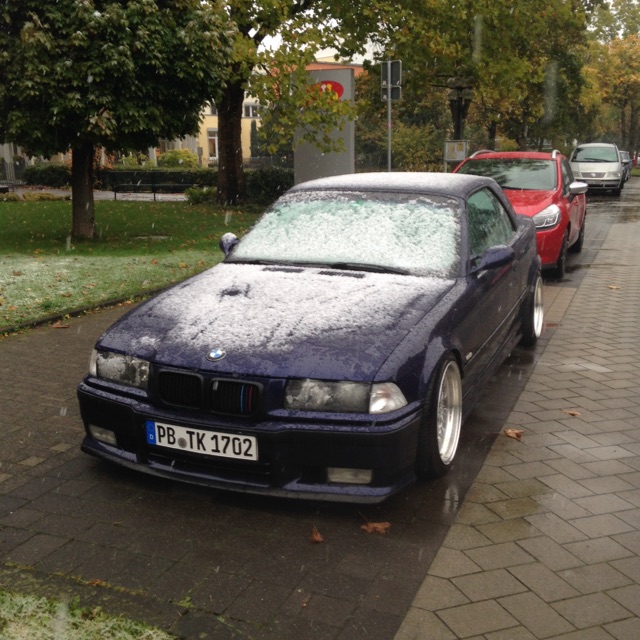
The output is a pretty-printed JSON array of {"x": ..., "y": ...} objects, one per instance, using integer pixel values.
[{"x": 212, "y": 443}]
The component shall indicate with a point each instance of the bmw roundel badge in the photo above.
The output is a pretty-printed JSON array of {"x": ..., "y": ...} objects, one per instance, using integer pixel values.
[{"x": 216, "y": 354}]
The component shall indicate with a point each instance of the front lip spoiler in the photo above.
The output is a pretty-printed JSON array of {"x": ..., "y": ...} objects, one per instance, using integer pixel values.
[{"x": 356, "y": 494}]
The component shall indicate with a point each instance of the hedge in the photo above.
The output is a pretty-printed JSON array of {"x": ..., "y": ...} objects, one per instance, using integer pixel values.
[{"x": 263, "y": 185}]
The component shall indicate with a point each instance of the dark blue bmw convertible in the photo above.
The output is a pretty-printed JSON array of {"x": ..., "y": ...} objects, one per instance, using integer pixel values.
[{"x": 336, "y": 351}]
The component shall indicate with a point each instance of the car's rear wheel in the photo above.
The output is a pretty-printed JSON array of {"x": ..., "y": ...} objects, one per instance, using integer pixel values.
[
  {"x": 533, "y": 314},
  {"x": 576, "y": 247},
  {"x": 561, "y": 264},
  {"x": 441, "y": 421}
]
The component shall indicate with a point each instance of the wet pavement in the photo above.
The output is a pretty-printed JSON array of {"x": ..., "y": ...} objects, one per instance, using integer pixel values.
[{"x": 528, "y": 538}]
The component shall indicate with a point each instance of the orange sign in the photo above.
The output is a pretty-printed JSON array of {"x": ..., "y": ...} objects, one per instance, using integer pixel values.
[{"x": 330, "y": 85}]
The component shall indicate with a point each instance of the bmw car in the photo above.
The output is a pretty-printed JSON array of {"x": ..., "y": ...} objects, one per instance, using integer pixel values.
[
  {"x": 540, "y": 185},
  {"x": 334, "y": 353}
]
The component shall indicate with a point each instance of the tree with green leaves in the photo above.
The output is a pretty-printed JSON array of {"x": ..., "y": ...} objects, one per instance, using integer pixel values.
[
  {"x": 119, "y": 74},
  {"x": 520, "y": 59},
  {"x": 277, "y": 75}
]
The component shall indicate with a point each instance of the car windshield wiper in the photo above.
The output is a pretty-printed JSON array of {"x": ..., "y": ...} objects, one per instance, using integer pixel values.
[{"x": 360, "y": 266}]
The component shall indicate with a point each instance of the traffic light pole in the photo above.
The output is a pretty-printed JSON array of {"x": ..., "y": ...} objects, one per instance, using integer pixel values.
[
  {"x": 388, "y": 63},
  {"x": 391, "y": 81}
]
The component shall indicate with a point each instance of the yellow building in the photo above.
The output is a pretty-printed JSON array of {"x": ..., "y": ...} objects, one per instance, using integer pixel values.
[{"x": 208, "y": 137}]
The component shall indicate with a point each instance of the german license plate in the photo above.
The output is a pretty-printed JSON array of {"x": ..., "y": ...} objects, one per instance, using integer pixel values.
[{"x": 212, "y": 443}]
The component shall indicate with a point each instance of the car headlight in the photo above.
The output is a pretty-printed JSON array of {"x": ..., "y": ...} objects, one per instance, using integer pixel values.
[
  {"x": 119, "y": 368},
  {"x": 548, "y": 217},
  {"x": 343, "y": 397},
  {"x": 614, "y": 174}
]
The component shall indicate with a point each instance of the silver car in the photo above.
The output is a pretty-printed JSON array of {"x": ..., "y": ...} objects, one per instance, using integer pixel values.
[{"x": 599, "y": 165}]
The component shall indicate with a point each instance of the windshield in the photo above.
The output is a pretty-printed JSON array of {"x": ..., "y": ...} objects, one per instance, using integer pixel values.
[
  {"x": 515, "y": 173},
  {"x": 394, "y": 232},
  {"x": 595, "y": 154}
]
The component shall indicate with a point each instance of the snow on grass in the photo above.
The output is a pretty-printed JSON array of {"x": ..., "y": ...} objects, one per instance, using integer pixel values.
[
  {"x": 30, "y": 618},
  {"x": 36, "y": 287}
]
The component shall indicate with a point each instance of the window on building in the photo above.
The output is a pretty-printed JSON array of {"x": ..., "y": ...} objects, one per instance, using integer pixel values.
[
  {"x": 212, "y": 135},
  {"x": 251, "y": 111},
  {"x": 213, "y": 109}
]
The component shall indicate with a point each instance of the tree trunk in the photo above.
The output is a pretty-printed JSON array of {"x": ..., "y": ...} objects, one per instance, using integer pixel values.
[
  {"x": 231, "y": 181},
  {"x": 492, "y": 131},
  {"x": 82, "y": 206}
]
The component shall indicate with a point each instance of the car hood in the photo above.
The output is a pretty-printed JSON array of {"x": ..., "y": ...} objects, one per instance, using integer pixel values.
[
  {"x": 529, "y": 203},
  {"x": 279, "y": 321},
  {"x": 595, "y": 167}
]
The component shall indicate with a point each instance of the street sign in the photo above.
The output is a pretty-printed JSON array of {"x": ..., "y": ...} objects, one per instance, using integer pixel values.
[{"x": 391, "y": 80}]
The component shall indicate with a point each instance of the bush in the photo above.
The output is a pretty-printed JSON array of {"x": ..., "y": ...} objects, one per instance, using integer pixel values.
[
  {"x": 178, "y": 158},
  {"x": 9, "y": 197},
  {"x": 49, "y": 174},
  {"x": 41, "y": 196},
  {"x": 197, "y": 195},
  {"x": 266, "y": 185}
]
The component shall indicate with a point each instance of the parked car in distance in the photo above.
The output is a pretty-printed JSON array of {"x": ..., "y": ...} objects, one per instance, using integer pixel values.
[
  {"x": 598, "y": 164},
  {"x": 334, "y": 353},
  {"x": 627, "y": 164},
  {"x": 540, "y": 185}
]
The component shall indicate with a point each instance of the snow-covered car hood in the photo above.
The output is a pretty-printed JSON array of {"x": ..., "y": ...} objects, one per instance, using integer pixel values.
[
  {"x": 529, "y": 203},
  {"x": 278, "y": 321}
]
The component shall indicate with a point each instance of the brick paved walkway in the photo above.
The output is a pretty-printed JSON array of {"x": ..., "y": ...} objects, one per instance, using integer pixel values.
[{"x": 547, "y": 543}]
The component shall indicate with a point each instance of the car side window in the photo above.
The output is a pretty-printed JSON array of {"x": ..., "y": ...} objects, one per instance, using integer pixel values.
[{"x": 489, "y": 223}]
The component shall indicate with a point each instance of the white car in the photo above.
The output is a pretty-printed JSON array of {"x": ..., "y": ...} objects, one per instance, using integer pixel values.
[{"x": 598, "y": 164}]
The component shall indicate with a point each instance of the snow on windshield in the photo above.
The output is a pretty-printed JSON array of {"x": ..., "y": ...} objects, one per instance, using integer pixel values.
[{"x": 419, "y": 234}]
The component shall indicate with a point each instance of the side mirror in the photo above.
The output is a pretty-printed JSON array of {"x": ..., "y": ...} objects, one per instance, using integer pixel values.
[
  {"x": 576, "y": 188},
  {"x": 495, "y": 257},
  {"x": 227, "y": 243}
]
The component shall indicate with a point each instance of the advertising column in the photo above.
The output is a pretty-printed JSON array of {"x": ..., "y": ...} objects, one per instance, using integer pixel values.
[{"x": 309, "y": 161}]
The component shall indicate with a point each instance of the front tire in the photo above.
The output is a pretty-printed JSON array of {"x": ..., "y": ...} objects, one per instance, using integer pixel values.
[
  {"x": 576, "y": 247},
  {"x": 561, "y": 265},
  {"x": 441, "y": 421},
  {"x": 533, "y": 314}
]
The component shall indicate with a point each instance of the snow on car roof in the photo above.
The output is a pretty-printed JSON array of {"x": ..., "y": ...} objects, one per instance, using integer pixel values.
[{"x": 446, "y": 184}]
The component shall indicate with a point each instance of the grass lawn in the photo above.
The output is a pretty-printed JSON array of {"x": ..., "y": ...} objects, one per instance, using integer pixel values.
[
  {"x": 139, "y": 247},
  {"x": 31, "y": 618}
]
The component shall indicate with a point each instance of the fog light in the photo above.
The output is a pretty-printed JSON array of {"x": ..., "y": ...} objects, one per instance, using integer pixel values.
[
  {"x": 349, "y": 476},
  {"x": 103, "y": 435}
]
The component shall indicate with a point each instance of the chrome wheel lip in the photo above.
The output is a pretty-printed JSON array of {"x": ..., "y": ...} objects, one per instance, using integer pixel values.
[
  {"x": 538, "y": 308},
  {"x": 449, "y": 417}
]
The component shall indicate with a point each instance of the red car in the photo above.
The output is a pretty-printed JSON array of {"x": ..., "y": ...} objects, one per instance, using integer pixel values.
[{"x": 539, "y": 185}]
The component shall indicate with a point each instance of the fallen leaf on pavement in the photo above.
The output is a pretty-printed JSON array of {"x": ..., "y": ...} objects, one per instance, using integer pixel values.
[
  {"x": 58, "y": 325},
  {"x": 571, "y": 412},
  {"x": 613, "y": 286},
  {"x": 376, "y": 527},
  {"x": 514, "y": 433},
  {"x": 316, "y": 536}
]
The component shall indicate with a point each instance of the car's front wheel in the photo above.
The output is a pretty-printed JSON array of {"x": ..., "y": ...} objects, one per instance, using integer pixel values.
[
  {"x": 441, "y": 421},
  {"x": 561, "y": 264},
  {"x": 576, "y": 247},
  {"x": 533, "y": 314}
]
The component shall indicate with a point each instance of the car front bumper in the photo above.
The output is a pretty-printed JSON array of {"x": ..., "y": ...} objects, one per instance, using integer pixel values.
[
  {"x": 549, "y": 242},
  {"x": 293, "y": 455}
]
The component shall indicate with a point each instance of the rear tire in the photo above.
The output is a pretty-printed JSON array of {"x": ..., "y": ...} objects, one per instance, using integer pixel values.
[
  {"x": 441, "y": 421},
  {"x": 533, "y": 314}
]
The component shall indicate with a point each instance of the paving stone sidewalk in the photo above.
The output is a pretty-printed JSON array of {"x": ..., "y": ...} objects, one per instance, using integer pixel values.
[{"x": 547, "y": 543}]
